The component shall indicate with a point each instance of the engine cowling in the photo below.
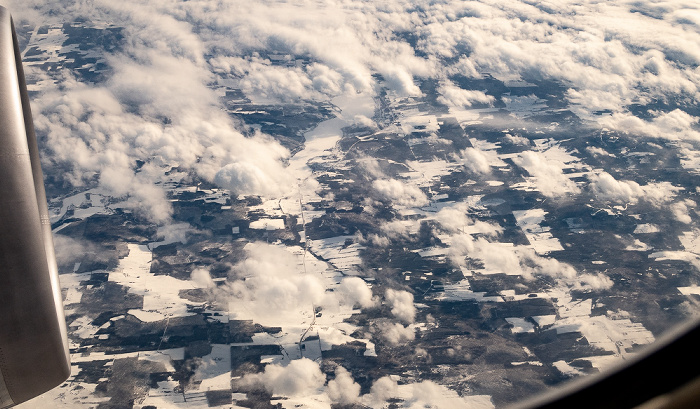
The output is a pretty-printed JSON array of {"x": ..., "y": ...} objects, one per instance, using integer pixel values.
[{"x": 34, "y": 354}]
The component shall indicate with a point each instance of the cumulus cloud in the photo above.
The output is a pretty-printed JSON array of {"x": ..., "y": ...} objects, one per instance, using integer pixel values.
[
  {"x": 244, "y": 178},
  {"x": 401, "y": 304},
  {"x": 606, "y": 187},
  {"x": 156, "y": 103},
  {"x": 604, "y": 53},
  {"x": 454, "y": 219},
  {"x": 155, "y": 106},
  {"x": 673, "y": 125},
  {"x": 400, "y": 192},
  {"x": 376, "y": 240},
  {"x": 516, "y": 139},
  {"x": 610, "y": 67},
  {"x": 384, "y": 389},
  {"x": 548, "y": 175},
  {"x": 454, "y": 96},
  {"x": 202, "y": 278},
  {"x": 521, "y": 260},
  {"x": 596, "y": 151},
  {"x": 354, "y": 290},
  {"x": 393, "y": 230},
  {"x": 363, "y": 120},
  {"x": 277, "y": 84},
  {"x": 301, "y": 377},
  {"x": 343, "y": 389},
  {"x": 681, "y": 210},
  {"x": 426, "y": 392},
  {"x": 395, "y": 333},
  {"x": 474, "y": 160},
  {"x": 272, "y": 279},
  {"x": 343, "y": 40},
  {"x": 397, "y": 228},
  {"x": 420, "y": 395}
]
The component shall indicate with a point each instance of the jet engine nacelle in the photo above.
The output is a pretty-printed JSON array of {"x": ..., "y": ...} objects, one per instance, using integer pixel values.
[{"x": 34, "y": 353}]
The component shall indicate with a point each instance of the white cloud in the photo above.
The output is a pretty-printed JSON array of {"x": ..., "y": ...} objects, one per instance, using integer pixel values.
[
  {"x": 202, "y": 278},
  {"x": 272, "y": 279},
  {"x": 522, "y": 261},
  {"x": 280, "y": 84},
  {"x": 384, "y": 389},
  {"x": 377, "y": 240},
  {"x": 603, "y": 52},
  {"x": 365, "y": 121},
  {"x": 606, "y": 187},
  {"x": 401, "y": 304},
  {"x": 349, "y": 42},
  {"x": 516, "y": 139},
  {"x": 70, "y": 250},
  {"x": 395, "y": 333},
  {"x": 474, "y": 160},
  {"x": 155, "y": 106},
  {"x": 421, "y": 395},
  {"x": 596, "y": 151},
  {"x": 301, "y": 377},
  {"x": 354, "y": 290},
  {"x": 400, "y": 193},
  {"x": 396, "y": 228},
  {"x": 172, "y": 233},
  {"x": 343, "y": 389},
  {"x": 426, "y": 392},
  {"x": 370, "y": 166},
  {"x": 549, "y": 177},
  {"x": 454, "y": 96},
  {"x": 454, "y": 219},
  {"x": 673, "y": 125},
  {"x": 245, "y": 178},
  {"x": 681, "y": 210}
]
